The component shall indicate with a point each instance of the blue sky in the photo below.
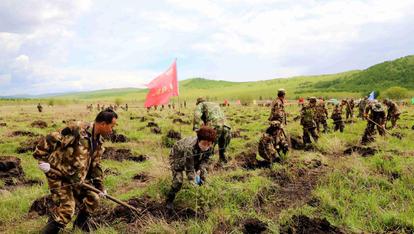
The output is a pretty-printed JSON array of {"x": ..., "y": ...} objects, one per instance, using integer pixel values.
[{"x": 79, "y": 45}]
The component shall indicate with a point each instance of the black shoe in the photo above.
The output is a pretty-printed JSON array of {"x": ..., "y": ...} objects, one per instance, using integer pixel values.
[
  {"x": 81, "y": 221},
  {"x": 52, "y": 227}
]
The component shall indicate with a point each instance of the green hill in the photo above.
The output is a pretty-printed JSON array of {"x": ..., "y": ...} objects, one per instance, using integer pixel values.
[{"x": 399, "y": 72}]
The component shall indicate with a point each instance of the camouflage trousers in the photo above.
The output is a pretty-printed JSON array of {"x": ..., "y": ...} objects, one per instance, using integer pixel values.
[
  {"x": 339, "y": 125},
  {"x": 394, "y": 119},
  {"x": 178, "y": 176},
  {"x": 349, "y": 113},
  {"x": 369, "y": 133},
  {"x": 67, "y": 197},
  {"x": 307, "y": 132},
  {"x": 322, "y": 121},
  {"x": 223, "y": 140}
]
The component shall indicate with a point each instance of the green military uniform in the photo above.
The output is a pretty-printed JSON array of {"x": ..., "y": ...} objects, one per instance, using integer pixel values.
[
  {"x": 376, "y": 114},
  {"x": 278, "y": 111},
  {"x": 187, "y": 156},
  {"x": 210, "y": 114},
  {"x": 308, "y": 123},
  {"x": 362, "y": 105},
  {"x": 321, "y": 116},
  {"x": 393, "y": 112},
  {"x": 76, "y": 154},
  {"x": 337, "y": 118},
  {"x": 273, "y": 143},
  {"x": 349, "y": 107}
]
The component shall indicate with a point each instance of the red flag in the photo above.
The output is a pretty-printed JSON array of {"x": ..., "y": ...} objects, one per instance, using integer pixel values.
[{"x": 163, "y": 87}]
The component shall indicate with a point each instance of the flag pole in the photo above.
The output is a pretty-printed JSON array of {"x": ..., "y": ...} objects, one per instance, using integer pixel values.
[{"x": 178, "y": 93}]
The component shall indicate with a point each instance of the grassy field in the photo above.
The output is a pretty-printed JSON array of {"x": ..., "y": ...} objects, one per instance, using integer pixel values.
[{"x": 355, "y": 193}]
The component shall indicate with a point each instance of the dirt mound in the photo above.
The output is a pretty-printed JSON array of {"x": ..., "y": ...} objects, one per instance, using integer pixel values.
[
  {"x": 171, "y": 138},
  {"x": 10, "y": 167},
  {"x": 398, "y": 135},
  {"x": 304, "y": 224},
  {"x": 11, "y": 172},
  {"x": 109, "y": 171},
  {"x": 156, "y": 130},
  {"x": 296, "y": 143},
  {"x": 181, "y": 121},
  {"x": 152, "y": 124},
  {"x": 174, "y": 134},
  {"x": 149, "y": 208},
  {"x": 142, "y": 177},
  {"x": 39, "y": 124},
  {"x": 116, "y": 138},
  {"x": 363, "y": 151},
  {"x": 252, "y": 225},
  {"x": 23, "y": 133},
  {"x": 121, "y": 155},
  {"x": 3, "y": 124},
  {"x": 42, "y": 206},
  {"x": 248, "y": 160},
  {"x": 27, "y": 146}
]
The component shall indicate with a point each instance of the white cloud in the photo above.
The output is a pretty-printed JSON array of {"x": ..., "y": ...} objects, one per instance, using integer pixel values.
[{"x": 50, "y": 46}]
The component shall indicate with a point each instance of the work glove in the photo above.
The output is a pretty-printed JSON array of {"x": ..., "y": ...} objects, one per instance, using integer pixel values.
[
  {"x": 198, "y": 180},
  {"x": 44, "y": 166}
]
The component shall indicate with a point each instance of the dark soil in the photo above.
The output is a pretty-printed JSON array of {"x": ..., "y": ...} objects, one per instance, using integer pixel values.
[
  {"x": 29, "y": 145},
  {"x": 122, "y": 154},
  {"x": 253, "y": 226},
  {"x": 248, "y": 160},
  {"x": 23, "y": 133},
  {"x": 363, "y": 151},
  {"x": 303, "y": 224},
  {"x": 39, "y": 124}
]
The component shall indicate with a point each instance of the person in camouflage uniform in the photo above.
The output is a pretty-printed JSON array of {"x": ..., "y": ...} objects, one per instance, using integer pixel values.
[
  {"x": 39, "y": 107},
  {"x": 191, "y": 155},
  {"x": 273, "y": 143},
  {"x": 393, "y": 112},
  {"x": 210, "y": 114},
  {"x": 349, "y": 107},
  {"x": 75, "y": 153},
  {"x": 277, "y": 111},
  {"x": 377, "y": 114},
  {"x": 361, "y": 106},
  {"x": 307, "y": 120},
  {"x": 321, "y": 116},
  {"x": 337, "y": 118}
]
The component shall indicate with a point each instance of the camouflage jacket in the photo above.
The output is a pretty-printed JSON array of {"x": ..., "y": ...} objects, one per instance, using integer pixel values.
[
  {"x": 392, "y": 109},
  {"x": 307, "y": 117},
  {"x": 321, "y": 111},
  {"x": 186, "y": 155},
  {"x": 337, "y": 115},
  {"x": 209, "y": 114},
  {"x": 378, "y": 117},
  {"x": 278, "y": 111},
  {"x": 74, "y": 152}
]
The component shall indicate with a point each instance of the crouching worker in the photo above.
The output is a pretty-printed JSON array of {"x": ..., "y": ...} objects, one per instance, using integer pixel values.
[
  {"x": 69, "y": 158},
  {"x": 273, "y": 143},
  {"x": 191, "y": 155}
]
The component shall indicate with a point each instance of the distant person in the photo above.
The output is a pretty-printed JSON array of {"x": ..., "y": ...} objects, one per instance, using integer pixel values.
[
  {"x": 375, "y": 115},
  {"x": 393, "y": 112},
  {"x": 337, "y": 119},
  {"x": 39, "y": 107}
]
